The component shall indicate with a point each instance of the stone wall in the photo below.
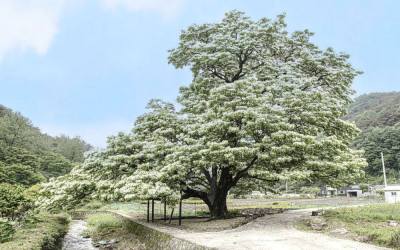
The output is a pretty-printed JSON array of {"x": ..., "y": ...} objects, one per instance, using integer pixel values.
[{"x": 81, "y": 215}]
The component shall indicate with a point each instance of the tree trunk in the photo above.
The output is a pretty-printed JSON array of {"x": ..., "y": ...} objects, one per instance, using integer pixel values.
[{"x": 217, "y": 206}]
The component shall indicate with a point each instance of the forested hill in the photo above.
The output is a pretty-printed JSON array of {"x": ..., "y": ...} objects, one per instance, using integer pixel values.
[
  {"x": 28, "y": 156},
  {"x": 375, "y": 110},
  {"x": 378, "y": 115}
]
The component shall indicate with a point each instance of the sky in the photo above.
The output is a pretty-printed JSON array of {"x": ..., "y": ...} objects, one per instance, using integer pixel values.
[{"x": 88, "y": 67}]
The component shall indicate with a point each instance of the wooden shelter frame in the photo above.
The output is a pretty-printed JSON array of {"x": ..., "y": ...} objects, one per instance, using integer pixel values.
[{"x": 165, "y": 211}]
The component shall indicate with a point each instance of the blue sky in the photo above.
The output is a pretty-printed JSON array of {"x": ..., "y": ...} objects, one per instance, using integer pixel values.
[{"x": 89, "y": 67}]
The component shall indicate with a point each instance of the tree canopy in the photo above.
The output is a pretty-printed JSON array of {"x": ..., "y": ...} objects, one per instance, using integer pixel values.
[
  {"x": 375, "y": 110},
  {"x": 28, "y": 156},
  {"x": 378, "y": 114},
  {"x": 263, "y": 106}
]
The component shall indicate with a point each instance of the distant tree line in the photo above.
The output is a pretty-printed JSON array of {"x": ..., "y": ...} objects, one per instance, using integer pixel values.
[
  {"x": 28, "y": 156},
  {"x": 378, "y": 115}
]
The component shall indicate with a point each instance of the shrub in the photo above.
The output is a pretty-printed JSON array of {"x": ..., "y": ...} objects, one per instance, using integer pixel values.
[
  {"x": 6, "y": 230},
  {"x": 311, "y": 191},
  {"x": 13, "y": 203},
  {"x": 92, "y": 205},
  {"x": 98, "y": 222},
  {"x": 46, "y": 234}
]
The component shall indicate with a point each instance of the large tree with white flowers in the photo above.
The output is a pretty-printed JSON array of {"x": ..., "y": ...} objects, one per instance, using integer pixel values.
[{"x": 263, "y": 107}]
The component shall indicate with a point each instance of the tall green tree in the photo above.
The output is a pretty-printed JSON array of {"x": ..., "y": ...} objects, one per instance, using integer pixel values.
[
  {"x": 381, "y": 139},
  {"x": 53, "y": 164},
  {"x": 15, "y": 130},
  {"x": 20, "y": 175},
  {"x": 72, "y": 148},
  {"x": 263, "y": 107}
]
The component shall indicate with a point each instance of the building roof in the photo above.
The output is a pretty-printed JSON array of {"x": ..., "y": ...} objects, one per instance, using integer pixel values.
[{"x": 392, "y": 187}]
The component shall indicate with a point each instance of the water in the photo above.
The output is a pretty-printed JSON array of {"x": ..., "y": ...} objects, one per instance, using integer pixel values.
[{"x": 74, "y": 241}]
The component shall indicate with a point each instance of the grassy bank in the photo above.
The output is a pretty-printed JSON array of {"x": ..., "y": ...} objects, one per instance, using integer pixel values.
[
  {"x": 373, "y": 218},
  {"x": 106, "y": 227},
  {"x": 46, "y": 233}
]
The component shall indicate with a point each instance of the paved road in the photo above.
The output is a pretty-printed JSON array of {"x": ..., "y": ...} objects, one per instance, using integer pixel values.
[{"x": 270, "y": 232}]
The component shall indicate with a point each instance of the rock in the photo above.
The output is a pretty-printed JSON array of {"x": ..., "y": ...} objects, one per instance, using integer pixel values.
[
  {"x": 392, "y": 223},
  {"x": 318, "y": 224},
  {"x": 362, "y": 238},
  {"x": 339, "y": 231}
]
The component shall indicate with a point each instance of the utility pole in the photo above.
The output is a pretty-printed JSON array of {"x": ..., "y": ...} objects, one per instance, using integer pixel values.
[
  {"x": 384, "y": 172},
  {"x": 286, "y": 187}
]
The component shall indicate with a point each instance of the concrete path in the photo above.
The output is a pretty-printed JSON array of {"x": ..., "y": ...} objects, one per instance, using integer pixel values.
[{"x": 269, "y": 232}]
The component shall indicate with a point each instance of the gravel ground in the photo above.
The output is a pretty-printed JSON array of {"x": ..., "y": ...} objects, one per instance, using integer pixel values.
[{"x": 270, "y": 232}]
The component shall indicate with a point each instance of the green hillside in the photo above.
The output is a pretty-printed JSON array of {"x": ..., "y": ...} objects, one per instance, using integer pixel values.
[
  {"x": 375, "y": 110},
  {"x": 378, "y": 115},
  {"x": 28, "y": 156}
]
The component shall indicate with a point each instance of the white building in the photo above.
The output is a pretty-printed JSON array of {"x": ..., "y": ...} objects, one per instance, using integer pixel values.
[{"x": 392, "y": 193}]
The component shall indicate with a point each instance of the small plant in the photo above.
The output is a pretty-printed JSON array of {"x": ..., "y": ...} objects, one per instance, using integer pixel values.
[
  {"x": 6, "y": 230},
  {"x": 97, "y": 222},
  {"x": 31, "y": 220}
]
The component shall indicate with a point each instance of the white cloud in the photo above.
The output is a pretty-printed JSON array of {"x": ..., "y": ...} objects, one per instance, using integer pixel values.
[
  {"x": 29, "y": 25},
  {"x": 169, "y": 8},
  {"x": 94, "y": 133}
]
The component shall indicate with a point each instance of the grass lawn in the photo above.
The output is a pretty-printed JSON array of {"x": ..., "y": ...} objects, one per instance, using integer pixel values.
[{"x": 374, "y": 228}]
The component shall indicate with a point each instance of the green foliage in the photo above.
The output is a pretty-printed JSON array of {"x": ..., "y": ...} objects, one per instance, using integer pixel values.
[
  {"x": 52, "y": 164},
  {"x": 92, "y": 205},
  {"x": 373, "y": 218},
  {"x": 375, "y": 110},
  {"x": 13, "y": 203},
  {"x": 33, "y": 192},
  {"x": 364, "y": 187},
  {"x": 28, "y": 157},
  {"x": 6, "y": 230},
  {"x": 31, "y": 220},
  {"x": 310, "y": 190},
  {"x": 263, "y": 107},
  {"x": 18, "y": 155},
  {"x": 16, "y": 130},
  {"x": 369, "y": 213},
  {"x": 47, "y": 233},
  {"x": 72, "y": 149},
  {"x": 97, "y": 222},
  {"x": 20, "y": 174},
  {"x": 377, "y": 140},
  {"x": 378, "y": 114}
]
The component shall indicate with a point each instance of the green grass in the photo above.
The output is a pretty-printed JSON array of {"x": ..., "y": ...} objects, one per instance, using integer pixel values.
[
  {"x": 105, "y": 227},
  {"x": 47, "y": 233},
  {"x": 373, "y": 222},
  {"x": 97, "y": 222},
  {"x": 369, "y": 213}
]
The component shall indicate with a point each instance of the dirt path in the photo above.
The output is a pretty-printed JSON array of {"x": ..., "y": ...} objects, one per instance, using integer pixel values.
[{"x": 269, "y": 232}]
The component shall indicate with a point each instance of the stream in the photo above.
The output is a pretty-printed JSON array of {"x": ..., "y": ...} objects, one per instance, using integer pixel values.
[{"x": 74, "y": 241}]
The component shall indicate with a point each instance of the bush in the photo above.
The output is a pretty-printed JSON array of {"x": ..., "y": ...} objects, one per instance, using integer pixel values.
[
  {"x": 311, "y": 191},
  {"x": 97, "y": 222},
  {"x": 6, "y": 230},
  {"x": 46, "y": 234},
  {"x": 92, "y": 205},
  {"x": 13, "y": 203},
  {"x": 364, "y": 187}
]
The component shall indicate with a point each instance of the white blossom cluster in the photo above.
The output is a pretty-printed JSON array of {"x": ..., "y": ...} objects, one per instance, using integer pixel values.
[{"x": 264, "y": 106}]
